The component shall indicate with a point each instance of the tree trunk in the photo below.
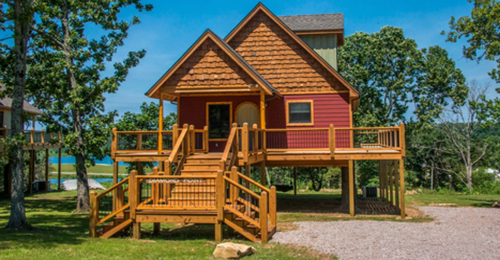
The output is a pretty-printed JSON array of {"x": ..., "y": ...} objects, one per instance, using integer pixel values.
[
  {"x": 316, "y": 187},
  {"x": 22, "y": 21},
  {"x": 469, "y": 177},
  {"x": 83, "y": 197},
  {"x": 344, "y": 200},
  {"x": 432, "y": 176}
]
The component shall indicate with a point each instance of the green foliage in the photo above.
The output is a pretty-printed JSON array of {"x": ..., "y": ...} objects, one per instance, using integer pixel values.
[
  {"x": 480, "y": 29},
  {"x": 390, "y": 72}
]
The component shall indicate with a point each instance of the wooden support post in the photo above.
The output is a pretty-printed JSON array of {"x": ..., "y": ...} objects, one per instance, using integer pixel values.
[
  {"x": 114, "y": 143},
  {"x": 47, "y": 183},
  {"x": 192, "y": 141},
  {"x": 136, "y": 230},
  {"x": 234, "y": 190},
  {"x": 295, "y": 181},
  {"x": 396, "y": 178},
  {"x": 263, "y": 173},
  {"x": 391, "y": 182},
  {"x": 93, "y": 214},
  {"x": 263, "y": 217},
  {"x": 175, "y": 134},
  {"x": 402, "y": 186},
  {"x": 156, "y": 228},
  {"x": 351, "y": 188},
  {"x": 244, "y": 142},
  {"x": 59, "y": 165},
  {"x": 379, "y": 179},
  {"x": 331, "y": 141},
  {"x": 205, "y": 139},
  {"x": 220, "y": 194},
  {"x": 160, "y": 126},
  {"x": 273, "y": 206},
  {"x": 262, "y": 110}
]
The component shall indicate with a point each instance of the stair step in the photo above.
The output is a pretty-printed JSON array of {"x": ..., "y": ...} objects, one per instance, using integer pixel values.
[
  {"x": 194, "y": 189},
  {"x": 194, "y": 185},
  {"x": 199, "y": 172},
  {"x": 207, "y": 160},
  {"x": 192, "y": 203}
]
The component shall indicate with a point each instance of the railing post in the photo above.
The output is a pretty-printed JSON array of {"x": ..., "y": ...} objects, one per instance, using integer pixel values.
[
  {"x": 175, "y": 134},
  {"x": 255, "y": 138},
  {"x": 114, "y": 143},
  {"x": 263, "y": 217},
  {"x": 94, "y": 214},
  {"x": 119, "y": 197},
  {"x": 402, "y": 140},
  {"x": 205, "y": 139},
  {"x": 244, "y": 142},
  {"x": 192, "y": 140},
  {"x": 272, "y": 206},
  {"x": 234, "y": 190},
  {"x": 133, "y": 196},
  {"x": 220, "y": 192},
  {"x": 332, "y": 141},
  {"x": 32, "y": 135}
]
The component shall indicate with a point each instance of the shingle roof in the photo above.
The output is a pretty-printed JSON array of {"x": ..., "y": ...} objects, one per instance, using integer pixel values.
[
  {"x": 27, "y": 107},
  {"x": 316, "y": 22},
  {"x": 245, "y": 63}
]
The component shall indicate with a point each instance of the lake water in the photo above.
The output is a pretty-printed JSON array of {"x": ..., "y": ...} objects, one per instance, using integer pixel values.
[
  {"x": 100, "y": 180},
  {"x": 71, "y": 160}
]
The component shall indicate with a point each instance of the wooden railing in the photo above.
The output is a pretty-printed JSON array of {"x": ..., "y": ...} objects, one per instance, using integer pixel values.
[
  {"x": 251, "y": 141},
  {"x": 258, "y": 201},
  {"x": 108, "y": 204},
  {"x": 297, "y": 139},
  {"x": 230, "y": 155},
  {"x": 148, "y": 141},
  {"x": 184, "y": 146},
  {"x": 373, "y": 138}
]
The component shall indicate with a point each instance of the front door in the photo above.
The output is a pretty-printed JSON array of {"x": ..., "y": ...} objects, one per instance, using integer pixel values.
[
  {"x": 219, "y": 116},
  {"x": 247, "y": 113}
]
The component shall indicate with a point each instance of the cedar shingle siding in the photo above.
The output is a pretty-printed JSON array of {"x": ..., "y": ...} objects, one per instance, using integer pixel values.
[
  {"x": 279, "y": 59},
  {"x": 207, "y": 67}
]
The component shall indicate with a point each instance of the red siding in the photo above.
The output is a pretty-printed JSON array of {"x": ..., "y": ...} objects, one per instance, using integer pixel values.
[
  {"x": 328, "y": 109},
  {"x": 193, "y": 112}
]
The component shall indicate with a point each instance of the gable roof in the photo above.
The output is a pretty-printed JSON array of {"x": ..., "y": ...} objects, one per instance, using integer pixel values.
[
  {"x": 353, "y": 93},
  {"x": 208, "y": 34},
  {"x": 6, "y": 102},
  {"x": 318, "y": 22}
]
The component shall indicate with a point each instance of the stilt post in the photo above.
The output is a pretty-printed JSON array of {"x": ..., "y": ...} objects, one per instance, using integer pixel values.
[{"x": 351, "y": 188}]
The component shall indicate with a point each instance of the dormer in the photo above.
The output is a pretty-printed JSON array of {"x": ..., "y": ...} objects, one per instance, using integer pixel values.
[{"x": 322, "y": 32}]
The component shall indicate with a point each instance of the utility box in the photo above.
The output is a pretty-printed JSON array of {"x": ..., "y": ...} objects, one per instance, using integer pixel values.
[{"x": 369, "y": 191}]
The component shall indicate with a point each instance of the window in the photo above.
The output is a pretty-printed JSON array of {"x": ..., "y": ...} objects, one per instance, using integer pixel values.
[
  {"x": 219, "y": 120},
  {"x": 300, "y": 112}
]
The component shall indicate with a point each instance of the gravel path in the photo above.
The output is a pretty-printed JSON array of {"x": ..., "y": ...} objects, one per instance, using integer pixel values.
[{"x": 456, "y": 233}]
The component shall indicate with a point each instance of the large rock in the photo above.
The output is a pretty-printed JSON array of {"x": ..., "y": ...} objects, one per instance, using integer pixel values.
[{"x": 231, "y": 250}]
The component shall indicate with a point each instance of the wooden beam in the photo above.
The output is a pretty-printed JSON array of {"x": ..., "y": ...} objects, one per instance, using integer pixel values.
[
  {"x": 391, "y": 181},
  {"x": 351, "y": 188},
  {"x": 402, "y": 186},
  {"x": 160, "y": 126},
  {"x": 396, "y": 177}
]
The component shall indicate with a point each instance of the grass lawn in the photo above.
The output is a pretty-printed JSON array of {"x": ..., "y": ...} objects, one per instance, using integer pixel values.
[
  {"x": 93, "y": 169},
  {"x": 59, "y": 234},
  {"x": 462, "y": 200}
]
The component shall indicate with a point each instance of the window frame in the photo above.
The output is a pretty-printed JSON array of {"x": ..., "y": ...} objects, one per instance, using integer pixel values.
[
  {"x": 208, "y": 121},
  {"x": 311, "y": 102}
]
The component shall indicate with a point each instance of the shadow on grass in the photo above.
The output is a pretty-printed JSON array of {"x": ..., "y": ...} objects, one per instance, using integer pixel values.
[{"x": 52, "y": 221}]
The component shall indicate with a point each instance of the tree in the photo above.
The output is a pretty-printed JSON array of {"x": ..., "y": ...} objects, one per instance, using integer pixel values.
[
  {"x": 461, "y": 125},
  {"x": 391, "y": 73},
  {"x": 68, "y": 65},
  {"x": 480, "y": 29},
  {"x": 17, "y": 16}
]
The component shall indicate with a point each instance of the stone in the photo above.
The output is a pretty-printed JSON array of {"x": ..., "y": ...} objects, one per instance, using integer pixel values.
[
  {"x": 231, "y": 250},
  {"x": 496, "y": 204}
]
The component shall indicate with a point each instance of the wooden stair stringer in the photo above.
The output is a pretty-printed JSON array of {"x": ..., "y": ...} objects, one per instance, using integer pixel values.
[
  {"x": 117, "y": 229},
  {"x": 241, "y": 230}
]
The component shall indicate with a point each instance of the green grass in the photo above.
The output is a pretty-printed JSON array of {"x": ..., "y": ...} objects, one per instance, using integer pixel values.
[
  {"x": 59, "y": 234},
  {"x": 462, "y": 200},
  {"x": 92, "y": 169}
]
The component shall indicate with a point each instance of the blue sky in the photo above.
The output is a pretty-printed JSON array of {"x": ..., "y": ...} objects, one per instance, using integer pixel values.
[{"x": 168, "y": 31}]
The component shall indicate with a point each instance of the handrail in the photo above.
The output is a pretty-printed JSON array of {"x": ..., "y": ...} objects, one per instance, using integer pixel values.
[
  {"x": 241, "y": 187},
  {"x": 114, "y": 186},
  {"x": 230, "y": 145},
  {"x": 180, "y": 143},
  {"x": 260, "y": 186}
]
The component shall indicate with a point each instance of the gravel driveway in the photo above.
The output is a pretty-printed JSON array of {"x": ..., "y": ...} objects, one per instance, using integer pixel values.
[{"x": 456, "y": 233}]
